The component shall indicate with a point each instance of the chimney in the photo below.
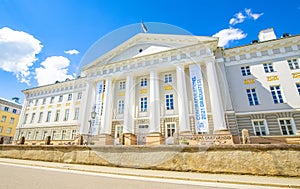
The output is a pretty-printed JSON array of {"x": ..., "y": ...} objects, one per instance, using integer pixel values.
[{"x": 266, "y": 35}]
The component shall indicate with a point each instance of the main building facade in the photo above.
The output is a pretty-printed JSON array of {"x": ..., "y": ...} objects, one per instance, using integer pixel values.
[{"x": 154, "y": 88}]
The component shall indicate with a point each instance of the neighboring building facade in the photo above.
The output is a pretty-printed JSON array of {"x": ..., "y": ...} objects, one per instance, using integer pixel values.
[
  {"x": 9, "y": 115},
  {"x": 52, "y": 110},
  {"x": 154, "y": 88}
]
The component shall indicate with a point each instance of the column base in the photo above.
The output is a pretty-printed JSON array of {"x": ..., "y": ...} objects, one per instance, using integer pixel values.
[
  {"x": 154, "y": 139},
  {"x": 129, "y": 139},
  {"x": 222, "y": 132}
]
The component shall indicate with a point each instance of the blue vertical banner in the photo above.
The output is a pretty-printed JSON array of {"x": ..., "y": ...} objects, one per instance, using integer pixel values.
[
  {"x": 201, "y": 119},
  {"x": 98, "y": 108}
]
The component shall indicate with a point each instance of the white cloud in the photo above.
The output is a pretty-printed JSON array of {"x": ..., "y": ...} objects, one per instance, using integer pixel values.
[
  {"x": 228, "y": 35},
  {"x": 71, "y": 52},
  {"x": 252, "y": 15},
  {"x": 238, "y": 18},
  {"x": 55, "y": 68},
  {"x": 18, "y": 52}
]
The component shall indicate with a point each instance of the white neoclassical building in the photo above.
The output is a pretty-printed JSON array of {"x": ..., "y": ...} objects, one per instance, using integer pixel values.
[{"x": 160, "y": 89}]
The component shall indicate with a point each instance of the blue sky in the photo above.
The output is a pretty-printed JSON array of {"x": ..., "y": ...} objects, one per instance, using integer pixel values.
[{"x": 44, "y": 40}]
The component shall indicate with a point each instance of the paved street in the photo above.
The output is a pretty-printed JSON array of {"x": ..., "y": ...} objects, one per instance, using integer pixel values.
[
  {"x": 47, "y": 175},
  {"x": 30, "y": 178}
]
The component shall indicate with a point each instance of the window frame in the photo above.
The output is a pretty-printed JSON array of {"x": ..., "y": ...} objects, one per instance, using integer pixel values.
[
  {"x": 143, "y": 104},
  {"x": 268, "y": 67},
  {"x": 252, "y": 96},
  {"x": 121, "y": 106},
  {"x": 169, "y": 130},
  {"x": 276, "y": 94},
  {"x": 122, "y": 85},
  {"x": 292, "y": 123},
  {"x": 293, "y": 63},
  {"x": 265, "y": 125},
  {"x": 169, "y": 101},
  {"x": 245, "y": 70},
  {"x": 144, "y": 82},
  {"x": 168, "y": 78}
]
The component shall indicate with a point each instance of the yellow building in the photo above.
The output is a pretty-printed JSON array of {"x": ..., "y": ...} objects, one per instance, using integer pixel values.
[{"x": 9, "y": 118}]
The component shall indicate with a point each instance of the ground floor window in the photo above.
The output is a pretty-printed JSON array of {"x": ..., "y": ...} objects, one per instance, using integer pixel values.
[
  {"x": 286, "y": 126},
  {"x": 170, "y": 129},
  {"x": 63, "y": 134},
  {"x": 260, "y": 127},
  {"x": 119, "y": 131}
]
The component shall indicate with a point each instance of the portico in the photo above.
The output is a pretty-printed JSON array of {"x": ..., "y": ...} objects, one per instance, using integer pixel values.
[{"x": 153, "y": 94}]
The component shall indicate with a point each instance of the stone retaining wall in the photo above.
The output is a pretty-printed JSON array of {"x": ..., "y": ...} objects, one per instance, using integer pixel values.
[{"x": 275, "y": 160}]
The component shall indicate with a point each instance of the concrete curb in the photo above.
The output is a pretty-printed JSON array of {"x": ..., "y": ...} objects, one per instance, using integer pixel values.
[{"x": 160, "y": 174}]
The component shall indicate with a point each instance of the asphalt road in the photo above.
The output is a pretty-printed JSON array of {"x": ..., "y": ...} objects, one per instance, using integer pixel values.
[
  {"x": 14, "y": 176},
  {"x": 25, "y": 177}
]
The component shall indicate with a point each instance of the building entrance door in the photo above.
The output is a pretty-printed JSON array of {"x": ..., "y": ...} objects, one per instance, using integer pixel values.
[{"x": 142, "y": 133}]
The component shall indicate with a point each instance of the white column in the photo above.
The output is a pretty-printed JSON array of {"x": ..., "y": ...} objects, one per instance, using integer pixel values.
[
  {"x": 86, "y": 107},
  {"x": 129, "y": 104},
  {"x": 154, "y": 102},
  {"x": 106, "y": 119},
  {"x": 184, "y": 122},
  {"x": 215, "y": 97}
]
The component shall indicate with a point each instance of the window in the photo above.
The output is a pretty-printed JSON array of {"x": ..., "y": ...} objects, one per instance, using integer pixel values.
[
  {"x": 73, "y": 134},
  {"x": 26, "y": 117},
  {"x": 36, "y": 102},
  {"x": 8, "y": 130},
  {"x": 286, "y": 126},
  {"x": 268, "y": 67},
  {"x": 298, "y": 87},
  {"x": 40, "y": 117},
  {"x": 63, "y": 134},
  {"x": 293, "y": 64},
  {"x": 28, "y": 135},
  {"x": 32, "y": 117},
  {"x": 12, "y": 120},
  {"x": 168, "y": 78},
  {"x": 44, "y": 135},
  {"x": 143, "y": 104},
  {"x": 1, "y": 129},
  {"x": 14, "y": 111},
  {"x": 245, "y": 70},
  {"x": 122, "y": 85},
  {"x": 53, "y": 135},
  {"x": 57, "y": 115},
  {"x": 52, "y": 99},
  {"x": 6, "y": 108},
  {"x": 3, "y": 119},
  {"x": 169, "y": 102},
  {"x": 79, "y": 95},
  {"x": 119, "y": 131},
  {"x": 44, "y": 101},
  {"x": 36, "y": 134},
  {"x": 170, "y": 129},
  {"x": 276, "y": 94},
  {"x": 48, "y": 116},
  {"x": 60, "y": 98},
  {"x": 69, "y": 97},
  {"x": 143, "y": 82},
  {"x": 252, "y": 97},
  {"x": 260, "y": 128},
  {"x": 76, "y": 115},
  {"x": 120, "y": 106},
  {"x": 67, "y": 113}
]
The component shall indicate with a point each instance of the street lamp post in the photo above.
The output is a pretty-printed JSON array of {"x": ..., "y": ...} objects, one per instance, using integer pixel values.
[{"x": 93, "y": 116}]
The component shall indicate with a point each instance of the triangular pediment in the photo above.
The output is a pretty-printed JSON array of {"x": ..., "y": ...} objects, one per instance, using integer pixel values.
[{"x": 144, "y": 44}]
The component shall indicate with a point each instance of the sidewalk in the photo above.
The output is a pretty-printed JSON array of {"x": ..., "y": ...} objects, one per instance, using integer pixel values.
[{"x": 283, "y": 182}]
